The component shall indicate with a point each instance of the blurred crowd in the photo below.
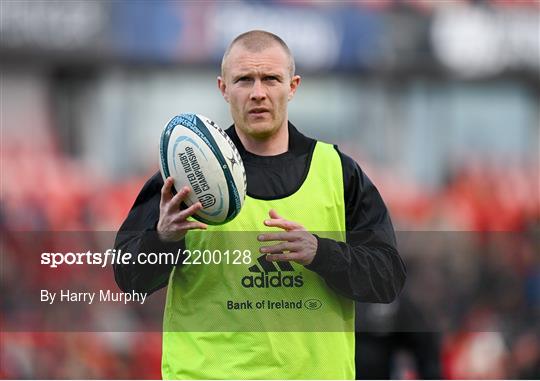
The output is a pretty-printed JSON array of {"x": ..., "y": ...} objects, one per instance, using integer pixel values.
[{"x": 478, "y": 196}]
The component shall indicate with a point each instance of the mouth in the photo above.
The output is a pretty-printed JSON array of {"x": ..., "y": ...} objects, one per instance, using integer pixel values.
[{"x": 258, "y": 111}]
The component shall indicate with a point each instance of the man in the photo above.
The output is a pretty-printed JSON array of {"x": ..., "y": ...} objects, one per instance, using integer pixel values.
[{"x": 289, "y": 313}]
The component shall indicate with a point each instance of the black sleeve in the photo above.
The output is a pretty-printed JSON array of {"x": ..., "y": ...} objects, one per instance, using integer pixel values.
[
  {"x": 366, "y": 268},
  {"x": 138, "y": 234}
]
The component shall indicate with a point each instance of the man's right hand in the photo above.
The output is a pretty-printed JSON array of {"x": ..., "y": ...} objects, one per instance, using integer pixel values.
[{"x": 173, "y": 224}]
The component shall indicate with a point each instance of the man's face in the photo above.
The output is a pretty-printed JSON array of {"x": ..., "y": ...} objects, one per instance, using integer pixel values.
[{"x": 258, "y": 86}]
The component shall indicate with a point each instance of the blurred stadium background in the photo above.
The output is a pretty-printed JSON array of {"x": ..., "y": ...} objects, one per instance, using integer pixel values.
[{"x": 437, "y": 100}]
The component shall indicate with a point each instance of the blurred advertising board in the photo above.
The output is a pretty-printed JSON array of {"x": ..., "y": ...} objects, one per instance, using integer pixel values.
[{"x": 465, "y": 39}]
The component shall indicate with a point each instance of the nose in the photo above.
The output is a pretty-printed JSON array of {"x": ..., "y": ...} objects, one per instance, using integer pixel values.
[{"x": 257, "y": 92}]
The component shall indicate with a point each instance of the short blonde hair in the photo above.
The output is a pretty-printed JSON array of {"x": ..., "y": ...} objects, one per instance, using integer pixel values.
[{"x": 257, "y": 41}]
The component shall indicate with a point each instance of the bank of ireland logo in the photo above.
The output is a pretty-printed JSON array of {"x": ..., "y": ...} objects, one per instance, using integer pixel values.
[
  {"x": 266, "y": 274},
  {"x": 312, "y": 304}
]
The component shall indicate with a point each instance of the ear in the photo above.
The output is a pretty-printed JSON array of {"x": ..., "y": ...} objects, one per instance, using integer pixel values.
[
  {"x": 295, "y": 82},
  {"x": 223, "y": 88}
]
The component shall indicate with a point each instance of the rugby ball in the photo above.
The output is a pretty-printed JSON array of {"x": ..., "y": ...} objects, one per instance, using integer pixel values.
[{"x": 199, "y": 154}]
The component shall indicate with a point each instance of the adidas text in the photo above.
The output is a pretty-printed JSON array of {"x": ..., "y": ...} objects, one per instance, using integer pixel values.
[{"x": 268, "y": 280}]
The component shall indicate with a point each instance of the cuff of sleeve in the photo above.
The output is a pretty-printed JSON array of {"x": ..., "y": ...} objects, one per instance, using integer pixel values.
[{"x": 320, "y": 263}]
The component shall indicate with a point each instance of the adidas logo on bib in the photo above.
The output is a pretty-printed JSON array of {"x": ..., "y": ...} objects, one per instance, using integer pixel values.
[{"x": 268, "y": 275}]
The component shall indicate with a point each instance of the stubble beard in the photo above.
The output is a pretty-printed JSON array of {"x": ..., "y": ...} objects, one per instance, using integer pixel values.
[{"x": 260, "y": 131}]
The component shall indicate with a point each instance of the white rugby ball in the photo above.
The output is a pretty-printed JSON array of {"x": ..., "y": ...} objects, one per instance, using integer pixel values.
[{"x": 199, "y": 154}]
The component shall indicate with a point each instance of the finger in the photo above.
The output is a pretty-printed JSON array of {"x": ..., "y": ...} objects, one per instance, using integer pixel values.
[
  {"x": 166, "y": 190},
  {"x": 191, "y": 225},
  {"x": 184, "y": 214},
  {"x": 179, "y": 198},
  {"x": 280, "y": 248},
  {"x": 282, "y": 257},
  {"x": 277, "y": 236},
  {"x": 283, "y": 224}
]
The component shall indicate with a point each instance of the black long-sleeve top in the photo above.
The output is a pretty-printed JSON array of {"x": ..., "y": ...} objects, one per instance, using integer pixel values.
[{"x": 365, "y": 268}]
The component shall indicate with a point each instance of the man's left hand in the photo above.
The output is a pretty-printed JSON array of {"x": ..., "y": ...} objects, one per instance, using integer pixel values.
[{"x": 297, "y": 244}]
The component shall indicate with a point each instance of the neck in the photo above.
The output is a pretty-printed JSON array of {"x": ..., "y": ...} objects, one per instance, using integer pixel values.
[{"x": 272, "y": 145}]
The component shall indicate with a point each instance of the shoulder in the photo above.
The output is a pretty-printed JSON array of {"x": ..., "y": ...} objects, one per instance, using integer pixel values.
[
  {"x": 352, "y": 172},
  {"x": 154, "y": 183},
  {"x": 144, "y": 212},
  {"x": 152, "y": 187}
]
